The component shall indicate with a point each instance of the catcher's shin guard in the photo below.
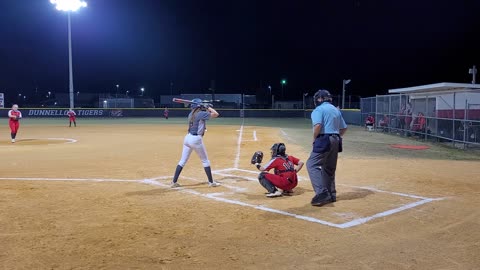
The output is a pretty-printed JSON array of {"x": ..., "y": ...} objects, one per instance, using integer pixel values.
[
  {"x": 178, "y": 170},
  {"x": 265, "y": 183}
]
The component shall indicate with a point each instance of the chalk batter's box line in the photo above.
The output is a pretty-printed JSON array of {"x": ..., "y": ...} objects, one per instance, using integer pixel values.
[
  {"x": 355, "y": 222},
  {"x": 217, "y": 196},
  {"x": 352, "y": 223},
  {"x": 302, "y": 178}
]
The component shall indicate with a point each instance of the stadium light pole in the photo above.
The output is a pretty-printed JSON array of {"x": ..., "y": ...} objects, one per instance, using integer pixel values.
[
  {"x": 303, "y": 96},
  {"x": 304, "y": 112},
  {"x": 69, "y": 6},
  {"x": 143, "y": 90},
  {"x": 283, "y": 82},
  {"x": 345, "y": 82}
]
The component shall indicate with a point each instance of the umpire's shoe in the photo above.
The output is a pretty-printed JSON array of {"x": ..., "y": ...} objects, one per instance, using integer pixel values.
[{"x": 321, "y": 199}]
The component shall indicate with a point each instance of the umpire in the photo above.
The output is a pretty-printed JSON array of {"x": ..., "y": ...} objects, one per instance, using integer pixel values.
[{"x": 328, "y": 129}]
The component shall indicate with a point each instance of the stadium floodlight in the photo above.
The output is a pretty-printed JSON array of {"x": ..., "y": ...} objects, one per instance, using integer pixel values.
[
  {"x": 69, "y": 6},
  {"x": 283, "y": 82},
  {"x": 143, "y": 90}
]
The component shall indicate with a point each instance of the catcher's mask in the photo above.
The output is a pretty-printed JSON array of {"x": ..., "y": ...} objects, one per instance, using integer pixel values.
[
  {"x": 278, "y": 149},
  {"x": 323, "y": 94}
]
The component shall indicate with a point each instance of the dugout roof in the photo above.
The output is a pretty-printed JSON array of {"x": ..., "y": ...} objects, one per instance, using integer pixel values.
[{"x": 443, "y": 88}]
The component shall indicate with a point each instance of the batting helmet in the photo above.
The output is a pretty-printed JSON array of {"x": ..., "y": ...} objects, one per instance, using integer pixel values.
[
  {"x": 278, "y": 149},
  {"x": 196, "y": 103},
  {"x": 324, "y": 94}
]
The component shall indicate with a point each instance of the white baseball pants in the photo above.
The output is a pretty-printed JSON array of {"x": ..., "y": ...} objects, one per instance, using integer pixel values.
[{"x": 194, "y": 143}]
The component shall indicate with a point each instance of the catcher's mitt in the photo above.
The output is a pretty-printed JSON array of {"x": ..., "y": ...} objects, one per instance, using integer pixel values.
[{"x": 257, "y": 157}]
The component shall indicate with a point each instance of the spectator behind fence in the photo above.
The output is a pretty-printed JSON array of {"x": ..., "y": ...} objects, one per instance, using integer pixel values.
[
  {"x": 408, "y": 117},
  {"x": 401, "y": 117},
  {"x": 370, "y": 121},
  {"x": 419, "y": 123},
  {"x": 383, "y": 123}
]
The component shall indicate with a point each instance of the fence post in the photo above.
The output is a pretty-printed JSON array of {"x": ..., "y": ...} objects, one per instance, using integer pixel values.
[
  {"x": 389, "y": 112},
  {"x": 426, "y": 117},
  {"x": 376, "y": 112},
  {"x": 465, "y": 126},
  {"x": 453, "y": 121}
]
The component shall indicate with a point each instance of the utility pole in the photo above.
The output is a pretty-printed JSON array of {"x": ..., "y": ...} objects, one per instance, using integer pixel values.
[{"x": 345, "y": 82}]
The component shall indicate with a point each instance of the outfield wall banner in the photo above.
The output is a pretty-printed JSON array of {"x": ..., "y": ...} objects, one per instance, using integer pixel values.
[
  {"x": 350, "y": 116},
  {"x": 2, "y": 100},
  {"x": 63, "y": 112}
]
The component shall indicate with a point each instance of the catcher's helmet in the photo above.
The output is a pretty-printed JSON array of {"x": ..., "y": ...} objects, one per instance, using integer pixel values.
[
  {"x": 278, "y": 149},
  {"x": 196, "y": 103},
  {"x": 324, "y": 94}
]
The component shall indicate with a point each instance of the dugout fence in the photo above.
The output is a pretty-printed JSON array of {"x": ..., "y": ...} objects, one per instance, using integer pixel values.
[{"x": 451, "y": 116}]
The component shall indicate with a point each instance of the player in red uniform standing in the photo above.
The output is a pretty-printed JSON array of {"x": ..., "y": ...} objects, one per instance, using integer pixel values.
[
  {"x": 72, "y": 117},
  {"x": 14, "y": 115},
  {"x": 285, "y": 172},
  {"x": 165, "y": 113}
]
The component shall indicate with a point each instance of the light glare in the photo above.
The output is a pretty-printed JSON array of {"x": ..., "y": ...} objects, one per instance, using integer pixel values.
[{"x": 68, "y": 5}]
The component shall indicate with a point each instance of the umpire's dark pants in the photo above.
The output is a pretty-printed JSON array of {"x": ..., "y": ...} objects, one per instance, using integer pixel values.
[{"x": 321, "y": 169}]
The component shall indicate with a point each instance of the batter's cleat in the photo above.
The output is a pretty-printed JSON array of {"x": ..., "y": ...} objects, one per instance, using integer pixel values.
[
  {"x": 13, "y": 140},
  {"x": 213, "y": 184},
  {"x": 174, "y": 185},
  {"x": 277, "y": 193}
]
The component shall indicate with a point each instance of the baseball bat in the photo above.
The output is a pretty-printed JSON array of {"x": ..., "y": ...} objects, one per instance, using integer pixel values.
[{"x": 184, "y": 101}]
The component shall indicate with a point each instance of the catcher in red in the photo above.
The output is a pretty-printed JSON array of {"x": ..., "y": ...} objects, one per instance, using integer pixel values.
[{"x": 284, "y": 179}]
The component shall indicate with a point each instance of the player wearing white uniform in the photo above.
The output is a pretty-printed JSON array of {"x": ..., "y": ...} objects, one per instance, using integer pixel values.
[{"x": 194, "y": 140}]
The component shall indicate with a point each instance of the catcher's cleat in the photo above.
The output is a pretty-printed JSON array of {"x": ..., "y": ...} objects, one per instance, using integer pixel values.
[
  {"x": 287, "y": 193},
  {"x": 277, "y": 193},
  {"x": 213, "y": 184},
  {"x": 13, "y": 140},
  {"x": 174, "y": 185}
]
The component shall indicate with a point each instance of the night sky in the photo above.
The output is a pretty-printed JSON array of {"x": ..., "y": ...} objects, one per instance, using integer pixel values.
[{"x": 242, "y": 45}]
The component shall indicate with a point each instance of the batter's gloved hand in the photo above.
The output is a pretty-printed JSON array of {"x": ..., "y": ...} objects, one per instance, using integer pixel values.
[{"x": 257, "y": 157}]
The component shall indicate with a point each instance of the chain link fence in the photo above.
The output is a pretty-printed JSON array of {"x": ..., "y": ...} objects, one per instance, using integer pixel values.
[{"x": 448, "y": 117}]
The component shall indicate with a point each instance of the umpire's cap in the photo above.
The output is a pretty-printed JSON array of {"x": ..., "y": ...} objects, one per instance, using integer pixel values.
[{"x": 322, "y": 94}]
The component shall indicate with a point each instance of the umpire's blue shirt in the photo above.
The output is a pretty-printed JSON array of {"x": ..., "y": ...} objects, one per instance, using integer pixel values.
[{"x": 329, "y": 117}]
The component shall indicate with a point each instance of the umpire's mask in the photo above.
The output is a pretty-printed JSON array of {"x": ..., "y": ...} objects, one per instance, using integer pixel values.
[{"x": 323, "y": 94}]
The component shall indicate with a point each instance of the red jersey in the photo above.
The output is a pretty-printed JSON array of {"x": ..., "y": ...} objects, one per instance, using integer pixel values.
[
  {"x": 370, "y": 120},
  {"x": 71, "y": 114},
  {"x": 283, "y": 166},
  {"x": 14, "y": 115}
]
